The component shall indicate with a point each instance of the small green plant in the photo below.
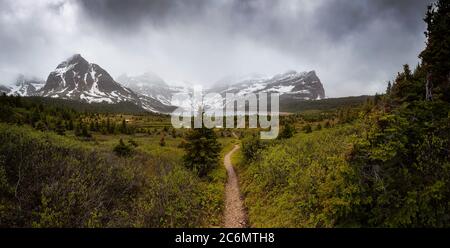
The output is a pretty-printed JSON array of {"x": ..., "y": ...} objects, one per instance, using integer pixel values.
[
  {"x": 307, "y": 128},
  {"x": 319, "y": 127},
  {"x": 287, "y": 132},
  {"x": 162, "y": 141},
  {"x": 122, "y": 150},
  {"x": 133, "y": 143}
]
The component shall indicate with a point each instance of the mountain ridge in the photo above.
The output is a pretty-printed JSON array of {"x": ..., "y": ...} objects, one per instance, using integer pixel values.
[{"x": 77, "y": 79}]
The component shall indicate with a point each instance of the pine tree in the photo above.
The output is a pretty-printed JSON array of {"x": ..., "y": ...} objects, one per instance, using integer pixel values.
[
  {"x": 123, "y": 128},
  {"x": 91, "y": 126},
  {"x": 60, "y": 128},
  {"x": 436, "y": 55},
  {"x": 85, "y": 132},
  {"x": 122, "y": 150},
  {"x": 77, "y": 130},
  {"x": 70, "y": 125},
  {"x": 202, "y": 150}
]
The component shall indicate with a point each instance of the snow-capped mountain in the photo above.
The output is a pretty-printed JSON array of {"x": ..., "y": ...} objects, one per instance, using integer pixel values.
[
  {"x": 152, "y": 88},
  {"x": 292, "y": 84},
  {"x": 4, "y": 89},
  {"x": 149, "y": 85},
  {"x": 77, "y": 79},
  {"x": 24, "y": 86}
]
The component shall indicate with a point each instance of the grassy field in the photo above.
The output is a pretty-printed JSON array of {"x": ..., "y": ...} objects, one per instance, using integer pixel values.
[
  {"x": 298, "y": 182},
  {"x": 158, "y": 191}
]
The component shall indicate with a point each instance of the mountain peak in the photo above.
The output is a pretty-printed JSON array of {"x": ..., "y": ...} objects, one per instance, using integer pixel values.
[
  {"x": 148, "y": 79},
  {"x": 75, "y": 57},
  {"x": 312, "y": 73},
  {"x": 77, "y": 79},
  {"x": 290, "y": 84}
]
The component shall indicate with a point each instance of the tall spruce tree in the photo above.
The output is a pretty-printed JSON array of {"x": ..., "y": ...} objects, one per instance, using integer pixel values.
[
  {"x": 436, "y": 56},
  {"x": 202, "y": 150}
]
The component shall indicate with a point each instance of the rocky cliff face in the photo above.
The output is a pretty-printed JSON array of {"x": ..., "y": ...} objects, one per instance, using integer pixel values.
[
  {"x": 77, "y": 79},
  {"x": 24, "y": 86},
  {"x": 298, "y": 85}
]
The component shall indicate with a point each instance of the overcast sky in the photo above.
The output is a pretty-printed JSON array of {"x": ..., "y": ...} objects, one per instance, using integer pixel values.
[{"x": 354, "y": 46}]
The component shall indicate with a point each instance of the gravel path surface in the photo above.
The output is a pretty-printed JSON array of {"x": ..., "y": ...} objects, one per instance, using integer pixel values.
[{"x": 235, "y": 215}]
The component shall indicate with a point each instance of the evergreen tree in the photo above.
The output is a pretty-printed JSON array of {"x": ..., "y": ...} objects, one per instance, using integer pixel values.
[
  {"x": 84, "y": 131},
  {"x": 77, "y": 130},
  {"x": 70, "y": 125},
  {"x": 202, "y": 150},
  {"x": 122, "y": 150},
  {"x": 389, "y": 87},
  {"x": 436, "y": 55},
  {"x": 91, "y": 126},
  {"x": 123, "y": 128},
  {"x": 60, "y": 128}
]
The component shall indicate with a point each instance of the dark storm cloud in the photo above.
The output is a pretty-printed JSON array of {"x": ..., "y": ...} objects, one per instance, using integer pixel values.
[
  {"x": 355, "y": 46},
  {"x": 339, "y": 18},
  {"x": 133, "y": 13},
  {"x": 336, "y": 18}
]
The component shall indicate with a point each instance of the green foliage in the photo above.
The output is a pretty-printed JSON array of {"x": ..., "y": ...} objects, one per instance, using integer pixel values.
[
  {"x": 287, "y": 132},
  {"x": 133, "y": 143},
  {"x": 319, "y": 127},
  {"x": 162, "y": 141},
  {"x": 437, "y": 53},
  {"x": 48, "y": 180},
  {"x": 202, "y": 150},
  {"x": 307, "y": 128},
  {"x": 391, "y": 170},
  {"x": 328, "y": 104},
  {"x": 403, "y": 167},
  {"x": 41, "y": 126},
  {"x": 408, "y": 86},
  {"x": 402, "y": 161},
  {"x": 300, "y": 182},
  {"x": 60, "y": 129},
  {"x": 123, "y": 150},
  {"x": 251, "y": 147}
]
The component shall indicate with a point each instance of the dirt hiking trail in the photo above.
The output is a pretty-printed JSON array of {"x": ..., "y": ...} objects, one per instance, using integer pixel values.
[{"x": 235, "y": 215}]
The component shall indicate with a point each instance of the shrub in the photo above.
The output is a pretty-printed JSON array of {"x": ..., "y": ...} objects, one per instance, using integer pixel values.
[
  {"x": 122, "y": 150},
  {"x": 307, "y": 128},
  {"x": 251, "y": 147}
]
